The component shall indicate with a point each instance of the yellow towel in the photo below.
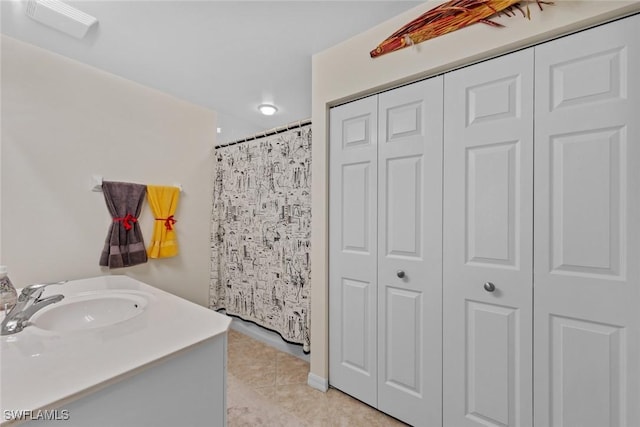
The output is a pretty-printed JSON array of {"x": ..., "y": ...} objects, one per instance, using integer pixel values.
[{"x": 163, "y": 202}]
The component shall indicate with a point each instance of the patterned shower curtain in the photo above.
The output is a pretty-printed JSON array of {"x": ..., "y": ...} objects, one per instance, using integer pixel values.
[{"x": 261, "y": 233}]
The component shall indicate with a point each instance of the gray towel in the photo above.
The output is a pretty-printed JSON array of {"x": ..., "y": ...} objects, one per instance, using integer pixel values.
[{"x": 124, "y": 245}]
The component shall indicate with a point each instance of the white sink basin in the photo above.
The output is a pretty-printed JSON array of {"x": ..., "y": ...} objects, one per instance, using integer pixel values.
[{"x": 89, "y": 311}]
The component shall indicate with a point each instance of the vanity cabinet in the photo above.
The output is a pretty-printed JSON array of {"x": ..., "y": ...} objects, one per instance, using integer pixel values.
[
  {"x": 166, "y": 366},
  {"x": 515, "y": 225}
]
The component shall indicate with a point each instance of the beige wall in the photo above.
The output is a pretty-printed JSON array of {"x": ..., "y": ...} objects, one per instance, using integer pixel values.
[
  {"x": 346, "y": 72},
  {"x": 62, "y": 122}
]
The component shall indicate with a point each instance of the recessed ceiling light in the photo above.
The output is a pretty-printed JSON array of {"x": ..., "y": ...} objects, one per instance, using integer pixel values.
[{"x": 267, "y": 109}]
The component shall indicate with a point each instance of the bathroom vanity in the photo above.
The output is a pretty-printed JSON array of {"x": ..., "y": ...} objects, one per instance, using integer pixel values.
[{"x": 116, "y": 351}]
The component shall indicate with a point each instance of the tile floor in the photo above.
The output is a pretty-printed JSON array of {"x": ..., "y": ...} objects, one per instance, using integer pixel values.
[{"x": 269, "y": 387}]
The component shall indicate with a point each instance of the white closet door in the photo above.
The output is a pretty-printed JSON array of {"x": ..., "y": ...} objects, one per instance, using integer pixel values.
[
  {"x": 587, "y": 216},
  {"x": 488, "y": 169},
  {"x": 352, "y": 249},
  {"x": 410, "y": 245}
]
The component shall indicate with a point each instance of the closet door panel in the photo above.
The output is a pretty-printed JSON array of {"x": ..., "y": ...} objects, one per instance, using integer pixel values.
[
  {"x": 353, "y": 249},
  {"x": 587, "y": 275},
  {"x": 410, "y": 252},
  {"x": 490, "y": 344},
  {"x": 488, "y": 225},
  {"x": 403, "y": 188},
  {"x": 491, "y": 171}
]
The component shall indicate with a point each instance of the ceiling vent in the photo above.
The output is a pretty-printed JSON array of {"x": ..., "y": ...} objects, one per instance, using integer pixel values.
[{"x": 60, "y": 16}]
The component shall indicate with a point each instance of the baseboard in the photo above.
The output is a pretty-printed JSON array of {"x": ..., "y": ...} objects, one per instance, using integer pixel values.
[{"x": 317, "y": 382}]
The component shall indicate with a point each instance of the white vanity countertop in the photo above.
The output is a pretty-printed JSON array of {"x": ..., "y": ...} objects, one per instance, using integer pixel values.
[{"x": 40, "y": 369}]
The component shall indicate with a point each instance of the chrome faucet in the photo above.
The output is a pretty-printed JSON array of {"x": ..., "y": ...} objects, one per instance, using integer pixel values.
[{"x": 28, "y": 303}]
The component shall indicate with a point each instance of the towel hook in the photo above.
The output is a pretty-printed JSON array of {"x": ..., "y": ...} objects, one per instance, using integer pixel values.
[{"x": 96, "y": 183}]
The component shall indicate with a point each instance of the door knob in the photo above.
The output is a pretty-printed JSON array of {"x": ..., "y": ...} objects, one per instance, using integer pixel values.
[
  {"x": 489, "y": 287},
  {"x": 400, "y": 273}
]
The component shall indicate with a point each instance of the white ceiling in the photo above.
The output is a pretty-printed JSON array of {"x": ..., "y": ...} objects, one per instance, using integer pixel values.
[{"x": 228, "y": 56}]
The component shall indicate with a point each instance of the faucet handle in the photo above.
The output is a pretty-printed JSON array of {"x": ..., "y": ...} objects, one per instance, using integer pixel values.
[{"x": 36, "y": 289}]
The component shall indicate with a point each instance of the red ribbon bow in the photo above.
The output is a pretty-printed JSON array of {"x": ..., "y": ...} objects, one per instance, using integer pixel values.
[
  {"x": 126, "y": 221},
  {"x": 168, "y": 222}
]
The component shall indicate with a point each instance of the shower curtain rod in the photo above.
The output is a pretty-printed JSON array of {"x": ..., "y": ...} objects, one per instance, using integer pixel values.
[{"x": 269, "y": 132}]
